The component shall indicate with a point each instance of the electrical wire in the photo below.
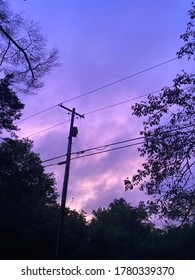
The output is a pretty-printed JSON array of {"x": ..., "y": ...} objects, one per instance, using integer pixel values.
[
  {"x": 49, "y": 165},
  {"x": 120, "y": 80},
  {"x": 113, "y": 149},
  {"x": 106, "y": 107},
  {"x": 38, "y": 113},
  {"x": 116, "y": 143},
  {"x": 96, "y": 148},
  {"x": 96, "y": 153},
  {"x": 50, "y": 159},
  {"x": 122, "y": 102},
  {"x": 98, "y": 110},
  {"x": 50, "y": 127},
  {"x": 98, "y": 89},
  {"x": 101, "y": 152},
  {"x": 108, "y": 145}
]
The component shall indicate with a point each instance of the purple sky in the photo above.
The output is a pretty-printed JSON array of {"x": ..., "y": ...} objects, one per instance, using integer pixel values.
[{"x": 100, "y": 42}]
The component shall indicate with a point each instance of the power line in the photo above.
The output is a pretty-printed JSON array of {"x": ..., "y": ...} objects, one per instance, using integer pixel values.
[
  {"x": 50, "y": 127},
  {"x": 50, "y": 159},
  {"x": 101, "y": 152},
  {"x": 96, "y": 148},
  {"x": 29, "y": 117},
  {"x": 108, "y": 145},
  {"x": 113, "y": 149},
  {"x": 98, "y": 110},
  {"x": 106, "y": 107},
  {"x": 116, "y": 143},
  {"x": 96, "y": 153},
  {"x": 52, "y": 164},
  {"x": 100, "y": 88},
  {"x": 120, "y": 80},
  {"x": 122, "y": 102}
]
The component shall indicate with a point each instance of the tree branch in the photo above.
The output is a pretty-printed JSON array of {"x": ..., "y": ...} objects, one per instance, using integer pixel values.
[
  {"x": 5, "y": 52},
  {"x": 19, "y": 48}
]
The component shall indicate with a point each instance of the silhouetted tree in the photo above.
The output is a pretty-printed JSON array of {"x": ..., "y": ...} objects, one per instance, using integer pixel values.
[
  {"x": 23, "y": 50},
  {"x": 169, "y": 132},
  {"x": 121, "y": 231},
  {"x": 179, "y": 242},
  {"x": 10, "y": 106},
  {"x": 117, "y": 232},
  {"x": 74, "y": 235},
  {"x": 27, "y": 200}
]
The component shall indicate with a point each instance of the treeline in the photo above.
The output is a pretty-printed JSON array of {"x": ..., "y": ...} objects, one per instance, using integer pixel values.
[{"x": 28, "y": 230}]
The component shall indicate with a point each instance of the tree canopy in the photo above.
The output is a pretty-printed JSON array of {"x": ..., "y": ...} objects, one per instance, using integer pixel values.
[
  {"x": 119, "y": 229},
  {"x": 169, "y": 133},
  {"x": 10, "y": 106},
  {"x": 28, "y": 196},
  {"x": 24, "y": 51},
  {"x": 22, "y": 172}
]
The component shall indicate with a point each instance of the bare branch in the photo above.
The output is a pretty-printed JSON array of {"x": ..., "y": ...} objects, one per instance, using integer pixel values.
[
  {"x": 19, "y": 48},
  {"x": 25, "y": 52},
  {"x": 3, "y": 57}
]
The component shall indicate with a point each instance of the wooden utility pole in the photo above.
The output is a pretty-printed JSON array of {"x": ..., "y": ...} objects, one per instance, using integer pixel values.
[{"x": 72, "y": 133}]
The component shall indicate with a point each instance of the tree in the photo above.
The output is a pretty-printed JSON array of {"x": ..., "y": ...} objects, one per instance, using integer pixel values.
[
  {"x": 189, "y": 37},
  {"x": 74, "y": 236},
  {"x": 29, "y": 211},
  {"x": 169, "y": 141},
  {"x": 178, "y": 243},
  {"x": 28, "y": 200},
  {"x": 10, "y": 106},
  {"x": 118, "y": 232},
  {"x": 23, "y": 50}
]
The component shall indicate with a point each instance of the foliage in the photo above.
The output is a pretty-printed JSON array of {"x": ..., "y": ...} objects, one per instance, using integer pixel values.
[
  {"x": 24, "y": 50},
  {"x": 28, "y": 198},
  {"x": 178, "y": 243},
  {"x": 189, "y": 37},
  {"x": 168, "y": 173},
  {"x": 74, "y": 235},
  {"x": 29, "y": 211},
  {"x": 121, "y": 231},
  {"x": 21, "y": 168},
  {"x": 116, "y": 232},
  {"x": 10, "y": 106}
]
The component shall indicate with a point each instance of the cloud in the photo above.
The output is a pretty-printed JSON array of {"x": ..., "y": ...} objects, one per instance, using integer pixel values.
[{"x": 99, "y": 43}]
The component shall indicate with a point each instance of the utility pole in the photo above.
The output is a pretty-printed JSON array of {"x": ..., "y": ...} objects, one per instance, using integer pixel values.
[{"x": 72, "y": 133}]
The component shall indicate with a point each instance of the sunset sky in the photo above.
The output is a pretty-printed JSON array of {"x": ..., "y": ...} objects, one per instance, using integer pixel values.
[{"x": 100, "y": 42}]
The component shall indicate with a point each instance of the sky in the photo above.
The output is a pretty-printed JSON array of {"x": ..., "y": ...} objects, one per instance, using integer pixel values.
[{"x": 100, "y": 42}]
